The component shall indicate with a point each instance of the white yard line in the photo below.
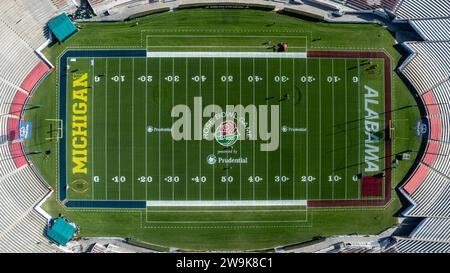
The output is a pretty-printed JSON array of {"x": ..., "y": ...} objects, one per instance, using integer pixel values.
[
  {"x": 159, "y": 133},
  {"x": 93, "y": 132},
  {"x": 332, "y": 127},
  {"x": 240, "y": 142},
  {"x": 106, "y": 130},
  {"x": 213, "y": 142},
  {"x": 200, "y": 142},
  {"x": 220, "y": 54},
  {"x": 320, "y": 131},
  {"x": 120, "y": 75},
  {"x": 253, "y": 142},
  {"x": 279, "y": 120},
  {"x": 223, "y": 36},
  {"x": 211, "y": 210},
  {"x": 186, "y": 141},
  {"x": 267, "y": 152},
  {"x": 294, "y": 125},
  {"x": 229, "y": 203},
  {"x": 359, "y": 128},
  {"x": 307, "y": 132},
  {"x": 346, "y": 131},
  {"x": 132, "y": 130},
  {"x": 173, "y": 145},
  {"x": 226, "y": 90},
  {"x": 146, "y": 124},
  {"x": 219, "y": 46}
]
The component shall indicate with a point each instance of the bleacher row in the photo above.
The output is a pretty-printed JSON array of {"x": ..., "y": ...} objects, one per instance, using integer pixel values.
[
  {"x": 406, "y": 245},
  {"x": 428, "y": 71},
  {"x": 23, "y": 29},
  {"x": 416, "y": 9},
  {"x": 427, "y": 56},
  {"x": 436, "y": 229},
  {"x": 436, "y": 29},
  {"x": 370, "y": 5},
  {"x": 403, "y": 9}
]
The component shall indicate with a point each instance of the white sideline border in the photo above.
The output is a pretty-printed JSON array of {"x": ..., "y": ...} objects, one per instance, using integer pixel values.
[
  {"x": 203, "y": 54},
  {"x": 224, "y": 203}
]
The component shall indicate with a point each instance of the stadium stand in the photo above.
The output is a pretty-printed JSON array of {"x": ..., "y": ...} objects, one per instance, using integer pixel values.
[
  {"x": 421, "y": 246},
  {"x": 23, "y": 28},
  {"x": 428, "y": 193},
  {"x": 415, "y": 9},
  {"x": 435, "y": 29},
  {"x": 433, "y": 229},
  {"x": 427, "y": 57},
  {"x": 7, "y": 93},
  {"x": 28, "y": 19},
  {"x": 428, "y": 71},
  {"x": 62, "y": 5},
  {"x": 7, "y": 161},
  {"x": 370, "y": 5},
  {"x": 26, "y": 235}
]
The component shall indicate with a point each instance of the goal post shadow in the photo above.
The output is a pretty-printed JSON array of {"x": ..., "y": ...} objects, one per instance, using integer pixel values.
[{"x": 55, "y": 132}]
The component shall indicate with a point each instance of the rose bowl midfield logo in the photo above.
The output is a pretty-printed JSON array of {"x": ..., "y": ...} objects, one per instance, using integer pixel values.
[
  {"x": 226, "y": 126},
  {"x": 227, "y": 133}
]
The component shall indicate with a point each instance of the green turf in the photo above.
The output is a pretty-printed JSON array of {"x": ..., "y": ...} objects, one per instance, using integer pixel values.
[
  {"x": 325, "y": 97},
  {"x": 321, "y": 36}
]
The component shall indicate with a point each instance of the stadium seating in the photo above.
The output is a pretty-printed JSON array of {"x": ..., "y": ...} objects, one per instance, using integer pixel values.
[
  {"x": 23, "y": 29},
  {"x": 428, "y": 66},
  {"x": 428, "y": 193},
  {"x": 435, "y": 29},
  {"x": 421, "y": 246},
  {"x": 18, "y": 198},
  {"x": 26, "y": 235},
  {"x": 62, "y": 5},
  {"x": 414, "y": 9},
  {"x": 7, "y": 162},
  {"x": 28, "y": 19},
  {"x": 433, "y": 229},
  {"x": 370, "y": 5},
  {"x": 12, "y": 50},
  {"x": 7, "y": 93}
]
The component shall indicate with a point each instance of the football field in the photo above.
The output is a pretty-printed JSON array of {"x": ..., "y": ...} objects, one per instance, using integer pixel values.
[{"x": 224, "y": 127}]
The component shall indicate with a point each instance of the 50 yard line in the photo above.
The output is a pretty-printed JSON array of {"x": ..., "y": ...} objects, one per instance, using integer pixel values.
[
  {"x": 253, "y": 142},
  {"x": 240, "y": 142},
  {"x": 214, "y": 151},
  {"x": 226, "y": 90}
]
